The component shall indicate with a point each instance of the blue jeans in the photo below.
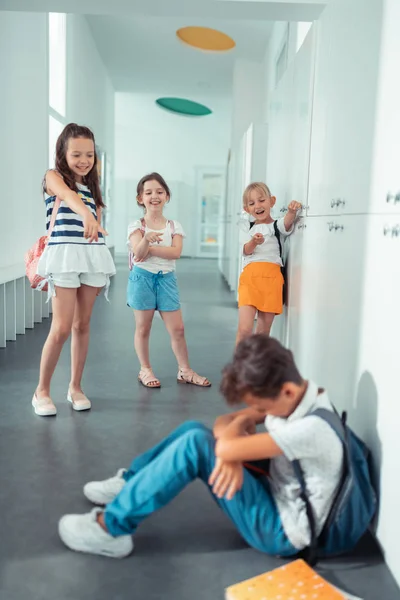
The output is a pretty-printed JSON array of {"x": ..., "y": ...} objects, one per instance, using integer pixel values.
[{"x": 158, "y": 475}]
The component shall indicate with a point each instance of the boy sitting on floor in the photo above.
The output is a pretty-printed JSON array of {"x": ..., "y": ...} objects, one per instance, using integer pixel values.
[{"x": 267, "y": 511}]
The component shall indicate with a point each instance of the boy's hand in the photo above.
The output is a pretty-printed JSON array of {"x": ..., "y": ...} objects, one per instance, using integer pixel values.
[
  {"x": 153, "y": 237},
  {"x": 258, "y": 239},
  {"x": 226, "y": 478},
  {"x": 294, "y": 206}
]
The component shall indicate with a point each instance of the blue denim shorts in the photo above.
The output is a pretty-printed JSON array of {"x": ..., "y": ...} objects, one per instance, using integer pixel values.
[{"x": 152, "y": 291}]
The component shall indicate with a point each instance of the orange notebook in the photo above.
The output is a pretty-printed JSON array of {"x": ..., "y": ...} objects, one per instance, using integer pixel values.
[{"x": 295, "y": 581}]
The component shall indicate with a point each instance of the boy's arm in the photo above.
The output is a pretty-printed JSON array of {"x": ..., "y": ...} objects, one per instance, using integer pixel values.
[
  {"x": 171, "y": 253},
  {"x": 235, "y": 445},
  {"x": 254, "y": 417}
]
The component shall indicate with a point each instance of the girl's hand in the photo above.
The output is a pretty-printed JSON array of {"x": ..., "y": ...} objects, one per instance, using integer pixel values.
[
  {"x": 103, "y": 231},
  {"x": 153, "y": 237},
  {"x": 91, "y": 227},
  {"x": 294, "y": 206},
  {"x": 258, "y": 239},
  {"x": 226, "y": 478}
]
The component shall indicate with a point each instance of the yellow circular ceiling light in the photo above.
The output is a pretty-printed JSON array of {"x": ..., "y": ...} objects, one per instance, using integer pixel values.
[{"x": 204, "y": 38}]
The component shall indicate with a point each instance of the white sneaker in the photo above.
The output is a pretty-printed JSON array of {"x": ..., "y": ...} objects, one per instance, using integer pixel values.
[
  {"x": 103, "y": 492},
  {"x": 44, "y": 407},
  {"x": 79, "y": 401},
  {"x": 82, "y": 533}
]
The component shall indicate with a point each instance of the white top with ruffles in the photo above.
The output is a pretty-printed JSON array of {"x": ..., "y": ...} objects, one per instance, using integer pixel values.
[{"x": 155, "y": 264}]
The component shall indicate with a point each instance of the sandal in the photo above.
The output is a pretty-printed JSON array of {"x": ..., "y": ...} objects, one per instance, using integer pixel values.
[
  {"x": 192, "y": 378},
  {"x": 79, "y": 401},
  {"x": 147, "y": 378}
]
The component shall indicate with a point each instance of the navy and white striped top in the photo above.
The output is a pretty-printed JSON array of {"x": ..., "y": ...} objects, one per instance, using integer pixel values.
[{"x": 68, "y": 228}]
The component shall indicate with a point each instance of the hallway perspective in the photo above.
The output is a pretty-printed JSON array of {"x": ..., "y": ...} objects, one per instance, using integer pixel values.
[{"x": 188, "y": 550}]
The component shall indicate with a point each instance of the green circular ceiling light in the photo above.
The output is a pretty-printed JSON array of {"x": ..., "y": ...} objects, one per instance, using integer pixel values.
[
  {"x": 184, "y": 107},
  {"x": 205, "y": 38}
]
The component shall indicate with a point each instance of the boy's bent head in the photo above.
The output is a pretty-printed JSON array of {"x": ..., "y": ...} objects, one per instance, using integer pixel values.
[{"x": 263, "y": 374}]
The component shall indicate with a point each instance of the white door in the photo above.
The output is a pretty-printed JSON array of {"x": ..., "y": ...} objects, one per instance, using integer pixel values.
[
  {"x": 296, "y": 166},
  {"x": 385, "y": 190},
  {"x": 341, "y": 301},
  {"x": 240, "y": 176},
  {"x": 318, "y": 195},
  {"x": 234, "y": 208},
  {"x": 227, "y": 219},
  {"x": 210, "y": 191},
  {"x": 303, "y": 85},
  {"x": 307, "y": 310}
]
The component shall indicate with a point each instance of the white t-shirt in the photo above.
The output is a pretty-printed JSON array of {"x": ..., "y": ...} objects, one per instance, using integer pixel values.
[
  {"x": 269, "y": 250},
  {"x": 154, "y": 264},
  {"x": 313, "y": 442}
]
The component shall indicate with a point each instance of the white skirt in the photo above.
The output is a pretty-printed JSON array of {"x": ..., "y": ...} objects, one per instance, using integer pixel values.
[{"x": 76, "y": 258}]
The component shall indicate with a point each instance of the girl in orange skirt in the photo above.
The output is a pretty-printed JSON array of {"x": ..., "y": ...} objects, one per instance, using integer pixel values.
[{"x": 261, "y": 281}]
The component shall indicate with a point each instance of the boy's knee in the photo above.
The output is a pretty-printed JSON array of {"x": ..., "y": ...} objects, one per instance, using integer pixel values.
[
  {"x": 199, "y": 438},
  {"x": 192, "y": 426}
]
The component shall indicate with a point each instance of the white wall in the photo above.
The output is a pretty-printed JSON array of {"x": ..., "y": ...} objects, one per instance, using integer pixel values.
[
  {"x": 23, "y": 127},
  {"x": 90, "y": 94},
  {"x": 24, "y": 120},
  {"x": 248, "y": 98},
  {"x": 148, "y": 139}
]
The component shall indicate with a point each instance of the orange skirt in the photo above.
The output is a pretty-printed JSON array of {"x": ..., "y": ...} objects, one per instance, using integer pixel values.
[{"x": 261, "y": 285}]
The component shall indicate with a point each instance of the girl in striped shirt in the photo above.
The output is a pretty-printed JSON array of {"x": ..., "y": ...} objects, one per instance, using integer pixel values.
[{"x": 76, "y": 262}]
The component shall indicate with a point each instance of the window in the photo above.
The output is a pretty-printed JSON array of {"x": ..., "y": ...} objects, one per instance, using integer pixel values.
[
  {"x": 55, "y": 128},
  {"x": 302, "y": 30},
  {"x": 57, "y": 79},
  {"x": 57, "y": 62},
  {"x": 281, "y": 63}
]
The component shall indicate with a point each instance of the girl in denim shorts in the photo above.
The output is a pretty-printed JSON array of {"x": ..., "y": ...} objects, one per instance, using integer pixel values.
[{"x": 155, "y": 243}]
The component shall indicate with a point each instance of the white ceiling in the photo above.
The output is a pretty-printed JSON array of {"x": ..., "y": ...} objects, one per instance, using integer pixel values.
[
  {"x": 275, "y": 10},
  {"x": 143, "y": 54},
  {"x": 137, "y": 38}
]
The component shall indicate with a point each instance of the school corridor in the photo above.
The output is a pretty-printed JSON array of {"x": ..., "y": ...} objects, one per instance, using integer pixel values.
[{"x": 188, "y": 550}]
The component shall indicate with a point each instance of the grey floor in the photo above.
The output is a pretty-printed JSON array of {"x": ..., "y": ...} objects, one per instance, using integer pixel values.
[{"x": 189, "y": 549}]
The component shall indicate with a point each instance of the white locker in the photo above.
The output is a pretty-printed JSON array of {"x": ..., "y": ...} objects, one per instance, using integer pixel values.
[
  {"x": 280, "y": 139},
  {"x": 345, "y": 107},
  {"x": 376, "y": 410}
]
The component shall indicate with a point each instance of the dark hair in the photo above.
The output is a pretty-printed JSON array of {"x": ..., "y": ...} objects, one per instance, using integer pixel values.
[
  {"x": 261, "y": 365},
  {"x": 151, "y": 177},
  {"x": 72, "y": 130}
]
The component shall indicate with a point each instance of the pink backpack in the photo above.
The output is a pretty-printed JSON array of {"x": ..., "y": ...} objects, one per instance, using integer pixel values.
[
  {"x": 143, "y": 229},
  {"x": 33, "y": 255}
]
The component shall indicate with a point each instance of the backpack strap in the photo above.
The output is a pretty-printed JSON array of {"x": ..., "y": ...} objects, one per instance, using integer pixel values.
[
  {"x": 333, "y": 419},
  {"x": 143, "y": 223},
  {"x": 278, "y": 237},
  {"x": 54, "y": 213},
  {"x": 172, "y": 227},
  {"x": 310, "y": 553}
]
